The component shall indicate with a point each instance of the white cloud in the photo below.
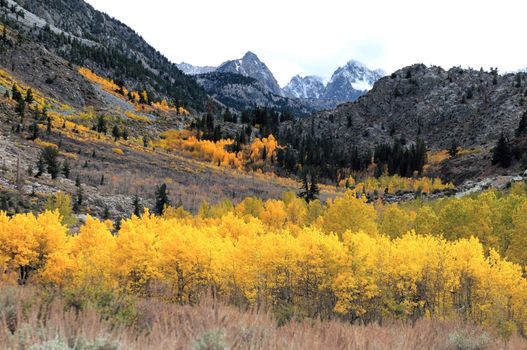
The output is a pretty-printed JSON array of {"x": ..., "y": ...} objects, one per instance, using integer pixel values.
[{"x": 314, "y": 37}]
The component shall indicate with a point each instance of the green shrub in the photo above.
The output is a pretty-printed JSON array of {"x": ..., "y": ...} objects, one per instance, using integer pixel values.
[{"x": 210, "y": 340}]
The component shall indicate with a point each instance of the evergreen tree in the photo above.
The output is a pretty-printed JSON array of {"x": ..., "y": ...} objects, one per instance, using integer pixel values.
[
  {"x": 48, "y": 125},
  {"x": 79, "y": 199},
  {"x": 161, "y": 199},
  {"x": 21, "y": 108},
  {"x": 116, "y": 133},
  {"x": 101, "y": 125},
  {"x": 453, "y": 150},
  {"x": 310, "y": 188},
  {"x": 34, "y": 130},
  {"x": 50, "y": 154},
  {"x": 15, "y": 93},
  {"x": 522, "y": 126},
  {"x": 66, "y": 169},
  {"x": 29, "y": 96},
  {"x": 502, "y": 154},
  {"x": 106, "y": 213},
  {"x": 41, "y": 166}
]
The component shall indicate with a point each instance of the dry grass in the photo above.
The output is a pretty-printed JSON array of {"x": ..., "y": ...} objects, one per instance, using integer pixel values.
[{"x": 31, "y": 321}]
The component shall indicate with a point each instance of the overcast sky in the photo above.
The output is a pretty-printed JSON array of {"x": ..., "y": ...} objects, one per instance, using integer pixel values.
[{"x": 315, "y": 37}]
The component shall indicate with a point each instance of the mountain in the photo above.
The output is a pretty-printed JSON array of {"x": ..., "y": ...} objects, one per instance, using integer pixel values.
[
  {"x": 251, "y": 66},
  {"x": 467, "y": 107},
  {"x": 240, "y": 92},
  {"x": 189, "y": 69},
  {"x": 304, "y": 87},
  {"x": 351, "y": 81},
  {"x": 347, "y": 84},
  {"x": 86, "y": 37}
]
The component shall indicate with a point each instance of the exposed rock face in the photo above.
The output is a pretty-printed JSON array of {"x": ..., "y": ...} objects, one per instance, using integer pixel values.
[
  {"x": 305, "y": 87},
  {"x": 467, "y": 106},
  {"x": 240, "y": 92},
  {"x": 251, "y": 66},
  {"x": 82, "y": 35},
  {"x": 351, "y": 81},
  {"x": 189, "y": 69}
]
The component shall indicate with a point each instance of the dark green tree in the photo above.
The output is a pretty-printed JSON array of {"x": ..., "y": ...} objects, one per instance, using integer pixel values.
[
  {"x": 66, "y": 169},
  {"x": 522, "y": 126},
  {"x": 502, "y": 153},
  {"x": 116, "y": 133},
  {"x": 29, "y": 96},
  {"x": 162, "y": 200},
  {"x": 101, "y": 125},
  {"x": 41, "y": 166},
  {"x": 310, "y": 190},
  {"x": 50, "y": 155},
  {"x": 453, "y": 150}
]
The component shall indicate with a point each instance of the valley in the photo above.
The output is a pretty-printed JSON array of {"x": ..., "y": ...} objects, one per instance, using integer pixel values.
[{"x": 151, "y": 205}]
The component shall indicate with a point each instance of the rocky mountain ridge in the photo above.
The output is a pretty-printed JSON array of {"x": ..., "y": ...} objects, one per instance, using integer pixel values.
[
  {"x": 464, "y": 107},
  {"x": 75, "y": 31}
]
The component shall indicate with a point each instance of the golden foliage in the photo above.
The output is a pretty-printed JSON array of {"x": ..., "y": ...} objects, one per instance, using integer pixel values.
[
  {"x": 118, "y": 151},
  {"x": 396, "y": 183},
  {"x": 349, "y": 257}
]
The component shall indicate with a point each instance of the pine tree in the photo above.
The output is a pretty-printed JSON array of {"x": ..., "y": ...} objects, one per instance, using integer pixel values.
[
  {"x": 79, "y": 199},
  {"x": 21, "y": 108},
  {"x": 106, "y": 213},
  {"x": 310, "y": 188},
  {"x": 162, "y": 200},
  {"x": 34, "y": 130},
  {"x": 502, "y": 154},
  {"x": 29, "y": 96},
  {"x": 48, "y": 125},
  {"x": 116, "y": 133},
  {"x": 50, "y": 154},
  {"x": 41, "y": 166},
  {"x": 453, "y": 150},
  {"x": 522, "y": 126},
  {"x": 66, "y": 169},
  {"x": 101, "y": 125}
]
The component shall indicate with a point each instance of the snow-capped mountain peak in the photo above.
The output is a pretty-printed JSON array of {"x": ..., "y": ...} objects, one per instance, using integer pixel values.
[
  {"x": 189, "y": 69},
  {"x": 304, "y": 87},
  {"x": 251, "y": 66},
  {"x": 351, "y": 81}
]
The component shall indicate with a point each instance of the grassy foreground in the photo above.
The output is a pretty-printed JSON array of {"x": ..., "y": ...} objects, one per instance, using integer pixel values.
[{"x": 32, "y": 320}]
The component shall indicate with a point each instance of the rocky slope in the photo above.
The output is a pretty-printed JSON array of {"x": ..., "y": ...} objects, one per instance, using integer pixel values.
[
  {"x": 239, "y": 92},
  {"x": 84, "y": 36},
  {"x": 468, "y": 106}
]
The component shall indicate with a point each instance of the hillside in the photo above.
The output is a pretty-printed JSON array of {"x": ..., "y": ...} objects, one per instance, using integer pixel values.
[
  {"x": 84, "y": 36},
  {"x": 470, "y": 108},
  {"x": 143, "y": 208}
]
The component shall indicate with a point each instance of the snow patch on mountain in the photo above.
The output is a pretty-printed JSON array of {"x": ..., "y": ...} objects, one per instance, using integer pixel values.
[
  {"x": 351, "y": 81},
  {"x": 251, "y": 66},
  {"x": 304, "y": 87},
  {"x": 189, "y": 69}
]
